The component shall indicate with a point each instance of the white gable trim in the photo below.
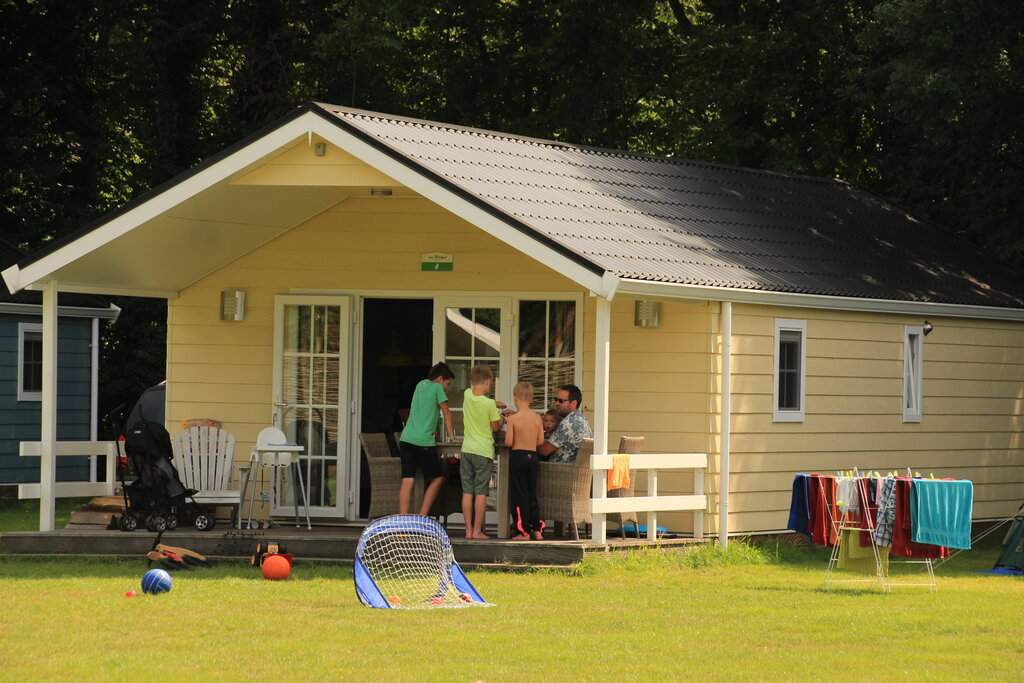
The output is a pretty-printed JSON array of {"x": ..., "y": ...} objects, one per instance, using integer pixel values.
[
  {"x": 20, "y": 278},
  {"x": 304, "y": 125},
  {"x": 643, "y": 288}
]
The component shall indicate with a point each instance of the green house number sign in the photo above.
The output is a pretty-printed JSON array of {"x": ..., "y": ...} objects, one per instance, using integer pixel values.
[{"x": 437, "y": 262}]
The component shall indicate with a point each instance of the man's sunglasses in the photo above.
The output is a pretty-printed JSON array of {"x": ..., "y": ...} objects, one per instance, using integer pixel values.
[{"x": 562, "y": 400}]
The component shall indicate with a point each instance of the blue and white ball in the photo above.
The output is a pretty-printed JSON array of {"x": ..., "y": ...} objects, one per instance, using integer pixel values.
[{"x": 156, "y": 581}]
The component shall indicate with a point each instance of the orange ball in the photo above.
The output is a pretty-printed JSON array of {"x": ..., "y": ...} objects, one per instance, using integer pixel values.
[{"x": 276, "y": 568}]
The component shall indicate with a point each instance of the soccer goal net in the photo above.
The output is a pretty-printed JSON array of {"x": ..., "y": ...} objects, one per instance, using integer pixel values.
[{"x": 406, "y": 562}]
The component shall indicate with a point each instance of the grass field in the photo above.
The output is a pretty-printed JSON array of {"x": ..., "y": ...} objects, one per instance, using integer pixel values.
[
  {"x": 751, "y": 613},
  {"x": 23, "y": 515}
]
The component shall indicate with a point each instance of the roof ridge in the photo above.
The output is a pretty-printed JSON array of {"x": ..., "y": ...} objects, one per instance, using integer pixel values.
[{"x": 570, "y": 146}]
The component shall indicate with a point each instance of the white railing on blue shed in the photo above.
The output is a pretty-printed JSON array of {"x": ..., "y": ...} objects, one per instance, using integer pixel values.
[
  {"x": 73, "y": 489},
  {"x": 652, "y": 503}
]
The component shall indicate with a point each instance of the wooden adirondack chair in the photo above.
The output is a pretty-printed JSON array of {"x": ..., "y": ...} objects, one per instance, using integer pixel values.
[{"x": 204, "y": 457}]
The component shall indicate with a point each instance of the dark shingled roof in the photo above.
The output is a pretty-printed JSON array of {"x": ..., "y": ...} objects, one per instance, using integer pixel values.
[{"x": 668, "y": 220}]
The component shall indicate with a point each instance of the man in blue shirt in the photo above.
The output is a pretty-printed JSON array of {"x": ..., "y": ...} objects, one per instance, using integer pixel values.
[{"x": 565, "y": 441}]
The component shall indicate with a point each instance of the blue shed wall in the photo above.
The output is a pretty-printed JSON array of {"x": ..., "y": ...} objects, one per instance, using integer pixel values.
[{"x": 19, "y": 420}]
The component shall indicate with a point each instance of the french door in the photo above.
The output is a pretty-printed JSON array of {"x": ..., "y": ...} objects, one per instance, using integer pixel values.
[
  {"x": 468, "y": 331},
  {"x": 473, "y": 330},
  {"x": 311, "y": 383}
]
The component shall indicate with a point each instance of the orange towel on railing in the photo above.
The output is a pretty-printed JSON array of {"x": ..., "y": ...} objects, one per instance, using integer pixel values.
[{"x": 618, "y": 475}]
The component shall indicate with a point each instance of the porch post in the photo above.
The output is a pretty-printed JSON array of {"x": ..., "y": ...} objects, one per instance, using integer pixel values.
[
  {"x": 602, "y": 358},
  {"x": 48, "y": 411},
  {"x": 94, "y": 393},
  {"x": 723, "y": 470}
]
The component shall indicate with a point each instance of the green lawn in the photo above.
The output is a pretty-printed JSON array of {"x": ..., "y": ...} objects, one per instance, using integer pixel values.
[
  {"x": 748, "y": 614},
  {"x": 23, "y": 515}
]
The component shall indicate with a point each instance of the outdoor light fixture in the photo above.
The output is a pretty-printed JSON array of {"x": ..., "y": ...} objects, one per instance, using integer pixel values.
[
  {"x": 647, "y": 313},
  {"x": 380, "y": 191},
  {"x": 232, "y": 305},
  {"x": 927, "y": 327},
  {"x": 320, "y": 149}
]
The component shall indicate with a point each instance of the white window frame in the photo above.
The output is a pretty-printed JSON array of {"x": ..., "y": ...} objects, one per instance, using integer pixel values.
[
  {"x": 789, "y": 415},
  {"x": 35, "y": 329},
  {"x": 913, "y": 364}
]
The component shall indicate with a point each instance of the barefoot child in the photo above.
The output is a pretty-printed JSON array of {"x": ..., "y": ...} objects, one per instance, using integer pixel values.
[
  {"x": 524, "y": 433},
  {"x": 480, "y": 419}
]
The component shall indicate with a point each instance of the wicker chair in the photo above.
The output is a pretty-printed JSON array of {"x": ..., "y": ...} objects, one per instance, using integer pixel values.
[
  {"x": 564, "y": 489},
  {"x": 633, "y": 445},
  {"x": 385, "y": 475}
]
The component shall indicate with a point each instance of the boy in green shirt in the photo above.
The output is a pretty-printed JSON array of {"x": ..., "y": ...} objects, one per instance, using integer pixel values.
[{"x": 417, "y": 447}]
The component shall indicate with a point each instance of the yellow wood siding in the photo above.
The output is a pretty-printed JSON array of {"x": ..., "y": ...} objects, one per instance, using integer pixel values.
[
  {"x": 973, "y": 378},
  {"x": 222, "y": 370}
]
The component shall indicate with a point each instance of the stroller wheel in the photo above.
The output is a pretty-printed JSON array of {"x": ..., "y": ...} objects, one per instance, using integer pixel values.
[
  {"x": 171, "y": 521},
  {"x": 127, "y": 522},
  {"x": 205, "y": 521},
  {"x": 156, "y": 523}
]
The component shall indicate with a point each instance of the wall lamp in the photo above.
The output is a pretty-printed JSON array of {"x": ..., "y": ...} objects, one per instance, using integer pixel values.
[
  {"x": 646, "y": 313},
  {"x": 927, "y": 328},
  {"x": 232, "y": 305}
]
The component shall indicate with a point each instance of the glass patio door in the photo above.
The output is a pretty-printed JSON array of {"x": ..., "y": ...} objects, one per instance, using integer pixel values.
[
  {"x": 472, "y": 331},
  {"x": 311, "y": 353}
]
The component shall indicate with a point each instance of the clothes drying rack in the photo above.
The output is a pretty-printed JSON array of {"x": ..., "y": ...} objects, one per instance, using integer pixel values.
[{"x": 847, "y": 523}]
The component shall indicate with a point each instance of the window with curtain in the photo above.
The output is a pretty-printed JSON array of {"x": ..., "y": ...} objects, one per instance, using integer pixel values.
[{"x": 547, "y": 348}]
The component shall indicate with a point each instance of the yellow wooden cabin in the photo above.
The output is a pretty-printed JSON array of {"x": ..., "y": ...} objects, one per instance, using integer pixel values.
[{"x": 314, "y": 270}]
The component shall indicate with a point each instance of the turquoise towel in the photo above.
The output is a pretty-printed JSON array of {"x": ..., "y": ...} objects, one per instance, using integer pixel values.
[{"x": 940, "y": 512}]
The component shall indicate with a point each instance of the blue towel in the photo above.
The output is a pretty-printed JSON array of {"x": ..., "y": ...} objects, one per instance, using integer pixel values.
[
  {"x": 940, "y": 512},
  {"x": 799, "y": 510}
]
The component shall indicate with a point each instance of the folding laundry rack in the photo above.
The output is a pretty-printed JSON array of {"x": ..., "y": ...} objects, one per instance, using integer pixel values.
[{"x": 845, "y": 522}]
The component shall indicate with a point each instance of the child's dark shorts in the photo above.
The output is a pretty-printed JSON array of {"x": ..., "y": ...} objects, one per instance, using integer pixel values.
[{"x": 419, "y": 457}]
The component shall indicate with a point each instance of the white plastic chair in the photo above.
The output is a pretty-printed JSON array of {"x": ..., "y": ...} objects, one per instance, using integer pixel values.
[{"x": 273, "y": 450}]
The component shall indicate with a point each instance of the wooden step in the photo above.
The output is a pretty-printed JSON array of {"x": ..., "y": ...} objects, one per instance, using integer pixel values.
[{"x": 113, "y": 503}]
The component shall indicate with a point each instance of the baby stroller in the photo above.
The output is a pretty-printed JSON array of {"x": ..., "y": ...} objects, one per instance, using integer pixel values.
[{"x": 157, "y": 495}]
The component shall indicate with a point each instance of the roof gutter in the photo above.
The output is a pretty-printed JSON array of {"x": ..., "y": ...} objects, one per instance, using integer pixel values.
[
  {"x": 109, "y": 313},
  {"x": 646, "y": 288}
]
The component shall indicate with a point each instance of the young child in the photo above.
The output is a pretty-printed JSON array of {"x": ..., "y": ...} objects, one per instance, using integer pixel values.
[
  {"x": 480, "y": 419},
  {"x": 417, "y": 447},
  {"x": 550, "y": 420},
  {"x": 524, "y": 433}
]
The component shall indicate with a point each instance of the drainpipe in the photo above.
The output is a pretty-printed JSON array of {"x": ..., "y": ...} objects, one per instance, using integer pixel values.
[{"x": 723, "y": 499}]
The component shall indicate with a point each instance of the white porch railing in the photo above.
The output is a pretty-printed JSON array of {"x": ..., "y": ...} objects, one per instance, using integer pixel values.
[
  {"x": 71, "y": 489},
  {"x": 652, "y": 503}
]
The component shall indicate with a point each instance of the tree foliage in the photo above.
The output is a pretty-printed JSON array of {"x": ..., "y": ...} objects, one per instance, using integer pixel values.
[{"x": 917, "y": 100}]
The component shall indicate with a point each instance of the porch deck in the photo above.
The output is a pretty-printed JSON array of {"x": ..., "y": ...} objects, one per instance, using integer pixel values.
[{"x": 321, "y": 543}]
